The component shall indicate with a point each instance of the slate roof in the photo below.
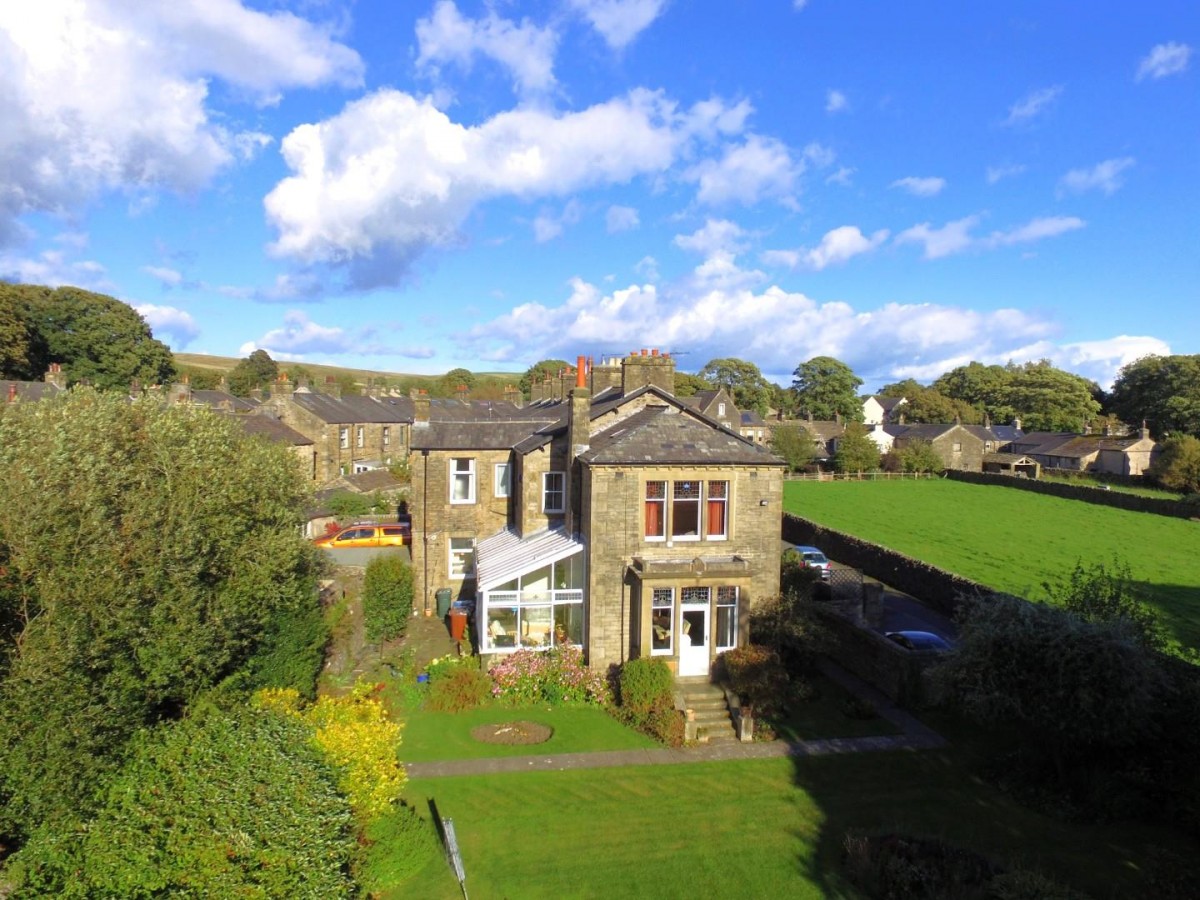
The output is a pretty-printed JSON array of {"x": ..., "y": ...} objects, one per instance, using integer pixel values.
[
  {"x": 373, "y": 480},
  {"x": 339, "y": 410},
  {"x": 1070, "y": 445},
  {"x": 751, "y": 417},
  {"x": 923, "y": 431},
  {"x": 661, "y": 436},
  {"x": 219, "y": 398},
  {"x": 887, "y": 403},
  {"x": 29, "y": 390},
  {"x": 481, "y": 424},
  {"x": 272, "y": 429}
]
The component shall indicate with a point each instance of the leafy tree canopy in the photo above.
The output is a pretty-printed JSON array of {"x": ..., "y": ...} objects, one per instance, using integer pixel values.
[
  {"x": 980, "y": 386},
  {"x": 94, "y": 336},
  {"x": 926, "y": 404},
  {"x": 856, "y": 452},
  {"x": 1049, "y": 399},
  {"x": 1177, "y": 467},
  {"x": 1162, "y": 390},
  {"x": 794, "y": 444},
  {"x": 146, "y": 551},
  {"x": 826, "y": 387},
  {"x": 919, "y": 456},
  {"x": 455, "y": 377},
  {"x": 257, "y": 370},
  {"x": 742, "y": 380},
  {"x": 686, "y": 384}
]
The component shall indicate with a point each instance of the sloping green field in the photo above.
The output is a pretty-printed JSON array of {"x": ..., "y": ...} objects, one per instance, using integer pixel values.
[{"x": 1014, "y": 540}]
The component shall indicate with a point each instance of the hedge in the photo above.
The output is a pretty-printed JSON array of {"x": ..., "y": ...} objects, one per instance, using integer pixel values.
[{"x": 1159, "y": 506}]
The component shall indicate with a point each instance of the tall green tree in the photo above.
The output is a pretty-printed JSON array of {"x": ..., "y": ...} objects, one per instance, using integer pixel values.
[
  {"x": 686, "y": 384},
  {"x": 825, "y": 388},
  {"x": 919, "y": 456},
  {"x": 540, "y": 370},
  {"x": 983, "y": 387},
  {"x": 146, "y": 551},
  {"x": 1162, "y": 390},
  {"x": 16, "y": 341},
  {"x": 926, "y": 404},
  {"x": 1177, "y": 467},
  {"x": 742, "y": 380},
  {"x": 856, "y": 452},
  {"x": 1050, "y": 399},
  {"x": 257, "y": 370},
  {"x": 794, "y": 445},
  {"x": 95, "y": 337}
]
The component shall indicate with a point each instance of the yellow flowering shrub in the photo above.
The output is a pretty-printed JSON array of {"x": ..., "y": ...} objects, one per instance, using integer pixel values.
[{"x": 356, "y": 736}]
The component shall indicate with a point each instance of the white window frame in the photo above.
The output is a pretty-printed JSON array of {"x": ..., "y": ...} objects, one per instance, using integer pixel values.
[
  {"x": 561, "y": 491},
  {"x": 726, "y": 603},
  {"x": 360, "y": 436},
  {"x": 661, "y": 502},
  {"x": 502, "y": 480},
  {"x": 720, "y": 410},
  {"x": 468, "y": 472},
  {"x": 344, "y": 438},
  {"x": 675, "y": 502},
  {"x": 387, "y": 435},
  {"x": 463, "y": 571},
  {"x": 663, "y": 599}
]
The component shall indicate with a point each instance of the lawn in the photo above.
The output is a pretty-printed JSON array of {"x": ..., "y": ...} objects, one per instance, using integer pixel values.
[
  {"x": 577, "y": 729},
  {"x": 822, "y": 717},
  {"x": 748, "y": 829},
  {"x": 1015, "y": 540}
]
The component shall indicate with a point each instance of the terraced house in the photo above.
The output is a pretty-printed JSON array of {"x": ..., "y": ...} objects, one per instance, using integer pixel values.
[{"x": 609, "y": 515}]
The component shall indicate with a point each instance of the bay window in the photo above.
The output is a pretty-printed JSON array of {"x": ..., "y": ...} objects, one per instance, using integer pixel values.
[
  {"x": 727, "y": 598},
  {"x": 662, "y": 620}
]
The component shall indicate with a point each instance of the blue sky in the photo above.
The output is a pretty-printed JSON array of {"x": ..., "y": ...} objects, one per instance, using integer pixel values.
[{"x": 418, "y": 186}]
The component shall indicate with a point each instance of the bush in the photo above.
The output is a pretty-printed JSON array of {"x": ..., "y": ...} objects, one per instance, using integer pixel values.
[
  {"x": 647, "y": 691},
  {"x": 292, "y": 654},
  {"x": 899, "y": 867},
  {"x": 557, "y": 675},
  {"x": 788, "y": 625},
  {"x": 756, "y": 675},
  {"x": 396, "y": 846},
  {"x": 460, "y": 688},
  {"x": 221, "y": 805},
  {"x": 355, "y": 736},
  {"x": 387, "y": 597}
]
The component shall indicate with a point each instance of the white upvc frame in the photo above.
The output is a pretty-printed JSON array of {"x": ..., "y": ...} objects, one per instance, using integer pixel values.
[
  {"x": 462, "y": 470},
  {"x": 502, "y": 480},
  {"x": 461, "y": 558}
]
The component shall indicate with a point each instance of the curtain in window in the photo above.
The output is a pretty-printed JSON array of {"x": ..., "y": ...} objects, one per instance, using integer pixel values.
[
  {"x": 716, "y": 517},
  {"x": 654, "y": 523}
]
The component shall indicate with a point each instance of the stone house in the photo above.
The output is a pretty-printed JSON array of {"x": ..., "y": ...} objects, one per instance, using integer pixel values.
[
  {"x": 349, "y": 434},
  {"x": 959, "y": 446},
  {"x": 626, "y": 522},
  {"x": 1110, "y": 454},
  {"x": 54, "y": 383}
]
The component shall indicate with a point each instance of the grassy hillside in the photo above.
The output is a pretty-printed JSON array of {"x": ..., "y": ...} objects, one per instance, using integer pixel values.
[{"x": 1015, "y": 540}]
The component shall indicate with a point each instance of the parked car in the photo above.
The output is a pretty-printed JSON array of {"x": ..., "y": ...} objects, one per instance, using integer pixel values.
[
  {"x": 368, "y": 534},
  {"x": 919, "y": 640},
  {"x": 814, "y": 559}
]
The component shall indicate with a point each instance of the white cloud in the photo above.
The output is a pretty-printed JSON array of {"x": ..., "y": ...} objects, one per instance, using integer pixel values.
[
  {"x": 525, "y": 50},
  {"x": 835, "y": 101},
  {"x": 998, "y": 173},
  {"x": 837, "y": 247},
  {"x": 54, "y": 268},
  {"x": 1104, "y": 176},
  {"x": 114, "y": 95},
  {"x": 819, "y": 155},
  {"x": 955, "y": 237},
  {"x": 717, "y": 236},
  {"x": 168, "y": 277},
  {"x": 549, "y": 225},
  {"x": 799, "y": 4},
  {"x": 774, "y": 327},
  {"x": 300, "y": 335},
  {"x": 842, "y": 176},
  {"x": 759, "y": 168},
  {"x": 920, "y": 187},
  {"x": 1163, "y": 60},
  {"x": 621, "y": 218},
  {"x": 619, "y": 22},
  {"x": 167, "y": 320},
  {"x": 1032, "y": 105},
  {"x": 391, "y": 176}
]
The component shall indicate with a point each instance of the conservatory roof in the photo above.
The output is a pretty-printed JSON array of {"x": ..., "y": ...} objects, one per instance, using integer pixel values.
[{"x": 503, "y": 556}]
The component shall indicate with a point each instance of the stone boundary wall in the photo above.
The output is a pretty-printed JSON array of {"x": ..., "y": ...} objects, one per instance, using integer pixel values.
[
  {"x": 899, "y": 673},
  {"x": 1131, "y": 502},
  {"x": 934, "y": 587}
]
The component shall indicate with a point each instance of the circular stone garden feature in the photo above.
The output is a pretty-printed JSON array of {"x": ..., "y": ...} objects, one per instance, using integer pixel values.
[{"x": 512, "y": 733}]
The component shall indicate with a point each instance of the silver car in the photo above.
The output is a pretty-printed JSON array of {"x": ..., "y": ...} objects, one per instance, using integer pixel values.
[{"x": 815, "y": 559}]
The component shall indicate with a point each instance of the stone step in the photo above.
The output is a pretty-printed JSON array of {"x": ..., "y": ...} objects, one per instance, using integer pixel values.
[{"x": 705, "y": 703}]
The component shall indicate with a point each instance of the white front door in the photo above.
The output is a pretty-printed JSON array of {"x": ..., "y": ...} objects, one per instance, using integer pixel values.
[{"x": 693, "y": 640}]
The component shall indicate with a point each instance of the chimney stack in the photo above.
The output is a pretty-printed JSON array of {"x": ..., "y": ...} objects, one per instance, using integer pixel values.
[
  {"x": 421, "y": 408},
  {"x": 332, "y": 388}
]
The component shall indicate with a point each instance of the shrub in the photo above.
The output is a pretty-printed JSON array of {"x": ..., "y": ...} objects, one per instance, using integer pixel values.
[
  {"x": 387, "y": 597},
  {"x": 292, "y": 654},
  {"x": 756, "y": 676},
  {"x": 1025, "y": 884},
  {"x": 396, "y": 846},
  {"x": 220, "y": 805},
  {"x": 557, "y": 675},
  {"x": 354, "y": 734},
  {"x": 647, "y": 690},
  {"x": 460, "y": 688},
  {"x": 787, "y": 623},
  {"x": 899, "y": 867}
]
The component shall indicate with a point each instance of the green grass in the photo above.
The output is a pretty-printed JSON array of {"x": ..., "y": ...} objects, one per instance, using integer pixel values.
[
  {"x": 748, "y": 829},
  {"x": 1013, "y": 540},
  {"x": 1085, "y": 481},
  {"x": 577, "y": 729},
  {"x": 822, "y": 717}
]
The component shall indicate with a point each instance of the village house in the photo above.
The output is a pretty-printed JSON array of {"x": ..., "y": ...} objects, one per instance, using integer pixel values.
[
  {"x": 1103, "y": 453},
  {"x": 608, "y": 514},
  {"x": 880, "y": 410}
]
